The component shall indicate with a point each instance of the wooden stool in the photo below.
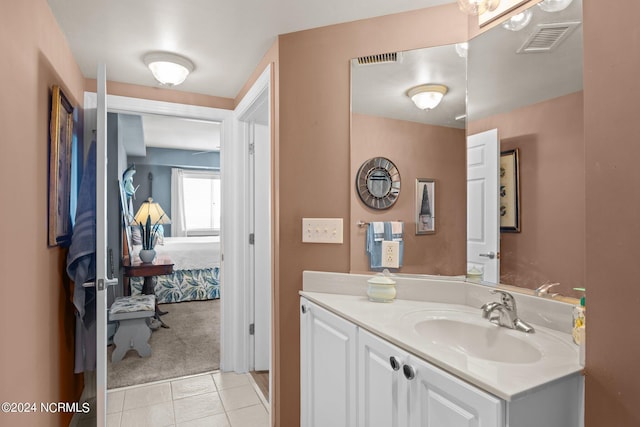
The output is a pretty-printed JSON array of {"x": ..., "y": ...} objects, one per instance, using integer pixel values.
[{"x": 133, "y": 332}]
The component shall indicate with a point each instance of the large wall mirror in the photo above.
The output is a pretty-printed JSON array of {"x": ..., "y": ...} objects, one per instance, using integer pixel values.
[{"x": 532, "y": 94}]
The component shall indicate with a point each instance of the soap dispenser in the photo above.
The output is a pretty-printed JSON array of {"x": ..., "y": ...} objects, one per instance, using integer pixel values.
[{"x": 579, "y": 325}]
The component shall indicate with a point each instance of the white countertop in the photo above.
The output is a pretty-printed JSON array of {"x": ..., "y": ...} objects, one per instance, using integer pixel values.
[{"x": 395, "y": 323}]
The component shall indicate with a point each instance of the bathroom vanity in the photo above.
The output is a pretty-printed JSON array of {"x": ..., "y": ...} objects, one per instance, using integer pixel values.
[{"x": 430, "y": 359}]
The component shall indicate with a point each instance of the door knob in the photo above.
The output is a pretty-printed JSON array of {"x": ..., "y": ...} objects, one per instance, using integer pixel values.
[
  {"x": 490, "y": 255},
  {"x": 395, "y": 365},
  {"x": 409, "y": 372}
]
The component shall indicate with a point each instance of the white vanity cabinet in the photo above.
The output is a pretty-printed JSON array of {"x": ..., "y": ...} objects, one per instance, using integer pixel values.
[
  {"x": 351, "y": 377},
  {"x": 346, "y": 370},
  {"x": 327, "y": 368},
  {"x": 398, "y": 389}
]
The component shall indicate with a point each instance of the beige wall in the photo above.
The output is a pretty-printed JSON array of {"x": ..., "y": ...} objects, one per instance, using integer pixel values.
[
  {"x": 611, "y": 92},
  {"x": 418, "y": 151},
  {"x": 36, "y": 316},
  {"x": 551, "y": 244},
  {"x": 313, "y": 151}
]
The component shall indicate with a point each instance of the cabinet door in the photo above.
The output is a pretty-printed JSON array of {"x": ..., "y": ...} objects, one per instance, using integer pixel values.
[
  {"x": 439, "y": 399},
  {"x": 382, "y": 390},
  {"x": 328, "y": 368}
]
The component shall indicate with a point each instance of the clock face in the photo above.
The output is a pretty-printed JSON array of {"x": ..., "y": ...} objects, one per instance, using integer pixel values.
[{"x": 378, "y": 183}]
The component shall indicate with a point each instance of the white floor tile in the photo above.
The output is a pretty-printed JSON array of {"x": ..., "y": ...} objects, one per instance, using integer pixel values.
[
  {"x": 147, "y": 395},
  {"x": 219, "y": 420},
  {"x": 200, "y": 406},
  {"x": 115, "y": 401},
  {"x": 158, "y": 415},
  {"x": 229, "y": 379},
  {"x": 192, "y": 386},
  {"x": 252, "y": 416},
  {"x": 239, "y": 397},
  {"x": 113, "y": 420}
]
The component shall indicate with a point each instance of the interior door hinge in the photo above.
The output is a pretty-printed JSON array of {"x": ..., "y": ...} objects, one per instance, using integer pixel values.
[
  {"x": 252, "y": 239},
  {"x": 252, "y": 329},
  {"x": 252, "y": 148}
]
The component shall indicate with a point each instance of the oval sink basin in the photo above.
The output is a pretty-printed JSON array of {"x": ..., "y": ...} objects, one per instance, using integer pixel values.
[{"x": 489, "y": 342}]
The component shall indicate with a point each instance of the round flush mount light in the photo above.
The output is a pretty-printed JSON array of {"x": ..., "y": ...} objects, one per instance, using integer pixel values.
[
  {"x": 427, "y": 97},
  {"x": 554, "y": 5},
  {"x": 168, "y": 68},
  {"x": 477, "y": 7},
  {"x": 519, "y": 21}
]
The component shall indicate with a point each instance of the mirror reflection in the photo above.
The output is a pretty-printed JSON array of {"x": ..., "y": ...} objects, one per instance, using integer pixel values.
[
  {"x": 526, "y": 82},
  {"x": 405, "y": 110},
  {"x": 532, "y": 95}
]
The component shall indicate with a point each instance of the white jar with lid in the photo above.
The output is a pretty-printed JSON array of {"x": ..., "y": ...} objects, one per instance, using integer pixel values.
[{"x": 381, "y": 289}]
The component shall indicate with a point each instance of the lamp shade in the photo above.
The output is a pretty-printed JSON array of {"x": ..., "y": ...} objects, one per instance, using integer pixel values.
[
  {"x": 427, "y": 97},
  {"x": 169, "y": 69},
  {"x": 153, "y": 210}
]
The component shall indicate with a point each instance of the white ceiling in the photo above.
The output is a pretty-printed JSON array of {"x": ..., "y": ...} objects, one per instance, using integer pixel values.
[
  {"x": 225, "y": 39},
  {"x": 182, "y": 134}
]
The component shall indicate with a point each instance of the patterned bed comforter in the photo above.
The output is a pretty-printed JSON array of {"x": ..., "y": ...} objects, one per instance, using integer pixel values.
[{"x": 183, "y": 285}]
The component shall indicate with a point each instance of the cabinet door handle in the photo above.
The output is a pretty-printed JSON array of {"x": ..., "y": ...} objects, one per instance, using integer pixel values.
[
  {"x": 395, "y": 365},
  {"x": 409, "y": 372},
  {"x": 304, "y": 309}
]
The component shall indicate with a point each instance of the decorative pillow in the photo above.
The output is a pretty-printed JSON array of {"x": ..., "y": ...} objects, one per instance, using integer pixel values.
[{"x": 136, "y": 237}]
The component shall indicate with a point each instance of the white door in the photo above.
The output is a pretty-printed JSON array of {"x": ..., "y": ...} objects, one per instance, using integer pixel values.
[
  {"x": 262, "y": 245},
  {"x": 439, "y": 399},
  {"x": 483, "y": 220},
  {"x": 102, "y": 280},
  {"x": 382, "y": 388},
  {"x": 327, "y": 368}
]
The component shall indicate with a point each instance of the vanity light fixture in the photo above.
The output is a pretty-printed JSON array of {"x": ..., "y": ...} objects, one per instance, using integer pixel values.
[
  {"x": 427, "y": 97},
  {"x": 477, "y": 7},
  {"x": 519, "y": 21},
  {"x": 168, "y": 68},
  {"x": 554, "y": 5}
]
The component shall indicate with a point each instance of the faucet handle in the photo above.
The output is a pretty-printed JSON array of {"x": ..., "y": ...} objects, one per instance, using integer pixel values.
[
  {"x": 507, "y": 299},
  {"x": 543, "y": 290}
]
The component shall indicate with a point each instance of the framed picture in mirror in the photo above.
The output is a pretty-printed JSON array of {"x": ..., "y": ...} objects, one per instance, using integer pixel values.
[
  {"x": 509, "y": 191},
  {"x": 425, "y": 206},
  {"x": 60, "y": 140}
]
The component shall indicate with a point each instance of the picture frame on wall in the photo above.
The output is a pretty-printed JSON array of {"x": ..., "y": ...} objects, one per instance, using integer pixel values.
[
  {"x": 425, "y": 206},
  {"x": 60, "y": 141},
  {"x": 510, "y": 191}
]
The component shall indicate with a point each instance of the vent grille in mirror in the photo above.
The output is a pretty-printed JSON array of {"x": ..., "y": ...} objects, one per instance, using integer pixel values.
[
  {"x": 380, "y": 58},
  {"x": 547, "y": 37}
]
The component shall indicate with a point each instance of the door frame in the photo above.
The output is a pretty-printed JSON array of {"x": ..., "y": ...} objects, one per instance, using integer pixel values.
[{"x": 243, "y": 311}]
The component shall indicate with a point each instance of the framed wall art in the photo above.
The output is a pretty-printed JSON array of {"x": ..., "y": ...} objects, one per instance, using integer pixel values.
[
  {"x": 60, "y": 140},
  {"x": 509, "y": 191},
  {"x": 425, "y": 206}
]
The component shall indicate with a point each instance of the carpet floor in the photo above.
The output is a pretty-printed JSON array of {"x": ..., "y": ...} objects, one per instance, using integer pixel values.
[{"x": 190, "y": 346}]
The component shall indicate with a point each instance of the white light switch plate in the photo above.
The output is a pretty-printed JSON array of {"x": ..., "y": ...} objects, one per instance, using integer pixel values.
[
  {"x": 390, "y": 254},
  {"x": 322, "y": 230}
]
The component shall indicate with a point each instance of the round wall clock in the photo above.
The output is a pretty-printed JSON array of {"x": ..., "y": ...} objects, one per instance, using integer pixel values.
[{"x": 378, "y": 183}]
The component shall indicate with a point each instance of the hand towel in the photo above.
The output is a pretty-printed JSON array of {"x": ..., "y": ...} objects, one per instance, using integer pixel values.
[{"x": 375, "y": 236}]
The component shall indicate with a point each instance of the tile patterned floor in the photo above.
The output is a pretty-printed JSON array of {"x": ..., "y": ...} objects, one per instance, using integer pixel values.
[{"x": 213, "y": 399}]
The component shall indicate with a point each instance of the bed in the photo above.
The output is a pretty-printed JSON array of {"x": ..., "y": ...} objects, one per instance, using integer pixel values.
[{"x": 196, "y": 270}]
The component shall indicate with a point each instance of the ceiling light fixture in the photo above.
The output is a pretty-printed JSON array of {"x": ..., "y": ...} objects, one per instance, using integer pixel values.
[
  {"x": 427, "y": 97},
  {"x": 519, "y": 21},
  {"x": 554, "y": 5},
  {"x": 168, "y": 68},
  {"x": 477, "y": 7}
]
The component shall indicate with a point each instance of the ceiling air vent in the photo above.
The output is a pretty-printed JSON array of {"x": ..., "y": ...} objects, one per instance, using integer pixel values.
[
  {"x": 547, "y": 37},
  {"x": 380, "y": 58}
]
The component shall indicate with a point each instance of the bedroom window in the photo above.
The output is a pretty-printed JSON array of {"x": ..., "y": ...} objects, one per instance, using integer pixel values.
[{"x": 196, "y": 196}]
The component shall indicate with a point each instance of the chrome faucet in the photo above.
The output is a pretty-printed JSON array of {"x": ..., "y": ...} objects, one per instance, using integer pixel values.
[{"x": 505, "y": 313}]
